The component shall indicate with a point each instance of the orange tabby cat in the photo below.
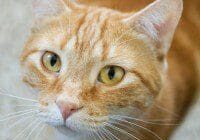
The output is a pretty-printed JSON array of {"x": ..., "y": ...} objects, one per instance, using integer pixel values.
[{"x": 107, "y": 74}]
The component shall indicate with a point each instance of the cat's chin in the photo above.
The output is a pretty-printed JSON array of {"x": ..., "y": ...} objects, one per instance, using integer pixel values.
[
  {"x": 67, "y": 131},
  {"x": 64, "y": 133},
  {"x": 70, "y": 132}
]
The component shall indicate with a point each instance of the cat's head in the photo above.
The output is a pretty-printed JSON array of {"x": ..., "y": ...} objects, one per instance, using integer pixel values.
[{"x": 94, "y": 64}]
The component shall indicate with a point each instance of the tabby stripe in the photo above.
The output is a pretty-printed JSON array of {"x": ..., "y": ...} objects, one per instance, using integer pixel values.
[
  {"x": 79, "y": 28},
  {"x": 83, "y": 28},
  {"x": 144, "y": 81},
  {"x": 102, "y": 28},
  {"x": 106, "y": 51}
]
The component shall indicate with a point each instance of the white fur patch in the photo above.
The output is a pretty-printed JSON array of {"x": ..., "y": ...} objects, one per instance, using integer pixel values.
[
  {"x": 98, "y": 49},
  {"x": 112, "y": 51},
  {"x": 71, "y": 43},
  {"x": 51, "y": 115}
]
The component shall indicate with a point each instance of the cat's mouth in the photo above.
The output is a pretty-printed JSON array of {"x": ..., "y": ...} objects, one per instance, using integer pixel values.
[
  {"x": 76, "y": 128},
  {"x": 77, "y": 122}
]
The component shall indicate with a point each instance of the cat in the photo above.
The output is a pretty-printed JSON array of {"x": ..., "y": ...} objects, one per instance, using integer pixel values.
[{"x": 107, "y": 74}]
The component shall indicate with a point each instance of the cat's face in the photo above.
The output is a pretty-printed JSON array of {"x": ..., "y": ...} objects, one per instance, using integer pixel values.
[{"x": 90, "y": 66}]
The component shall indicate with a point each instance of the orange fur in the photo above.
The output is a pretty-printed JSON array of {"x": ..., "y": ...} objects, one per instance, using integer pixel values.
[{"x": 94, "y": 27}]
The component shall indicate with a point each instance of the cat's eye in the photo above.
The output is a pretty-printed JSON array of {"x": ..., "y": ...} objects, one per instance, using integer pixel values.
[
  {"x": 111, "y": 75},
  {"x": 51, "y": 62}
]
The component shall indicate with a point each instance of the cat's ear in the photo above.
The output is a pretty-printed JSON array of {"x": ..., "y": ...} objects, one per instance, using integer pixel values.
[
  {"x": 46, "y": 8},
  {"x": 159, "y": 21}
]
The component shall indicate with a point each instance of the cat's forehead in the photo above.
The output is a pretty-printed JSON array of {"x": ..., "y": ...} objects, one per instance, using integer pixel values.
[
  {"x": 93, "y": 30},
  {"x": 91, "y": 34}
]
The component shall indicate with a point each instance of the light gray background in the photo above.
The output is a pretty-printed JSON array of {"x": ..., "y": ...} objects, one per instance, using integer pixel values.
[{"x": 15, "y": 22}]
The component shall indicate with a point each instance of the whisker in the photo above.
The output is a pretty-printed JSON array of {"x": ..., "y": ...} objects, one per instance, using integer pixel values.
[
  {"x": 154, "y": 122},
  {"x": 12, "y": 117},
  {"x": 34, "y": 128},
  {"x": 24, "y": 130},
  {"x": 164, "y": 109},
  {"x": 111, "y": 134},
  {"x": 154, "y": 134},
  {"x": 40, "y": 131},
  {"x": 93, "y": 132},
  {"x": 121, "y": 130},
  {"x": 17, "y": 97},
  {"x": 93, "y": 135},
  {"x": 19, "y": 121},
  {"x": 27, "y": 106},
  {"x": 135, "y": 131},
  {"x": 11, "y": 114},
  {"x": 99, "y": 134}
]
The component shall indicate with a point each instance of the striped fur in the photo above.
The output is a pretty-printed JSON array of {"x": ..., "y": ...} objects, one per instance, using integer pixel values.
[{"x": 88, "y": 38}]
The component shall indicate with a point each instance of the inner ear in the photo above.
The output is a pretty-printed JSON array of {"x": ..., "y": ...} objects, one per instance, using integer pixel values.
[{"x": 158, "y": 21}]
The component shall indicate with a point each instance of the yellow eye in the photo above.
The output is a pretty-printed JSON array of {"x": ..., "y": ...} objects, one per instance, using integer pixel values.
[
  {"x": 51, "y": 62},
  {"x": 111, "y": 75}
]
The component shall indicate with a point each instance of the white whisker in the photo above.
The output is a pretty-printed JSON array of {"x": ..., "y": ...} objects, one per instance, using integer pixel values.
[
  {"x": 99, "y": 134},
  {"x": 154, "y": 134},
  {"x": 164, "y": 109},
  {"x": 121, "y": 130},
  {"x": 40, "y": 131},
  {"x": 12, "y": 117},
  {"x": 135, "y": 131},
  {"x": 27, "y": 106},
  {"x": 154, "y": 122},
  {"x": 93, "y": 135},
  {"x": 24, "y": 130},
  {"x": 17, "y": 97},
  {"x": 34, "y": 128},
  {"x": 109, "y": 133},
  {"x": 19, "y": 112},
  {"x": 23, "y": 119}
]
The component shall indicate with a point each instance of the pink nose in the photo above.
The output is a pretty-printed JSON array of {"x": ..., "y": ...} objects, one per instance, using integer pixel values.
[{"x": 67, "y": 108}]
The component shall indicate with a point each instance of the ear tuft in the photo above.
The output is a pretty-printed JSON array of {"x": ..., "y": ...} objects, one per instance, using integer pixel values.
[{"x": 159, "y": 21}]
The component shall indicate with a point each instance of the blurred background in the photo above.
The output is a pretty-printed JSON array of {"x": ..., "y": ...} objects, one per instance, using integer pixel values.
[{"x": 15, "y": 23}]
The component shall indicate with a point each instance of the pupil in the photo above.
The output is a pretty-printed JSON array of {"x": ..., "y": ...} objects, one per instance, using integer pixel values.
[
  {"x": 53, "y": 60},
  {"x": 111, "y": 73}
]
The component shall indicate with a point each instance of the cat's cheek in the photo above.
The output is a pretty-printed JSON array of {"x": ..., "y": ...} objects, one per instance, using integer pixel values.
[
  {"x": 51, "y": 115},
  {"x": 125, "y": 111},
  {"x": 133, "y": 101}
]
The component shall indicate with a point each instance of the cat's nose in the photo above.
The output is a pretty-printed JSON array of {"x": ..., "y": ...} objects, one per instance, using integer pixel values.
[{"x": 67, "y": 108}]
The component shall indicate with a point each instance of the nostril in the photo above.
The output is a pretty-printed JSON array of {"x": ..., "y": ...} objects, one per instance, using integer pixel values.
[{"x": 72, "y": 110}]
